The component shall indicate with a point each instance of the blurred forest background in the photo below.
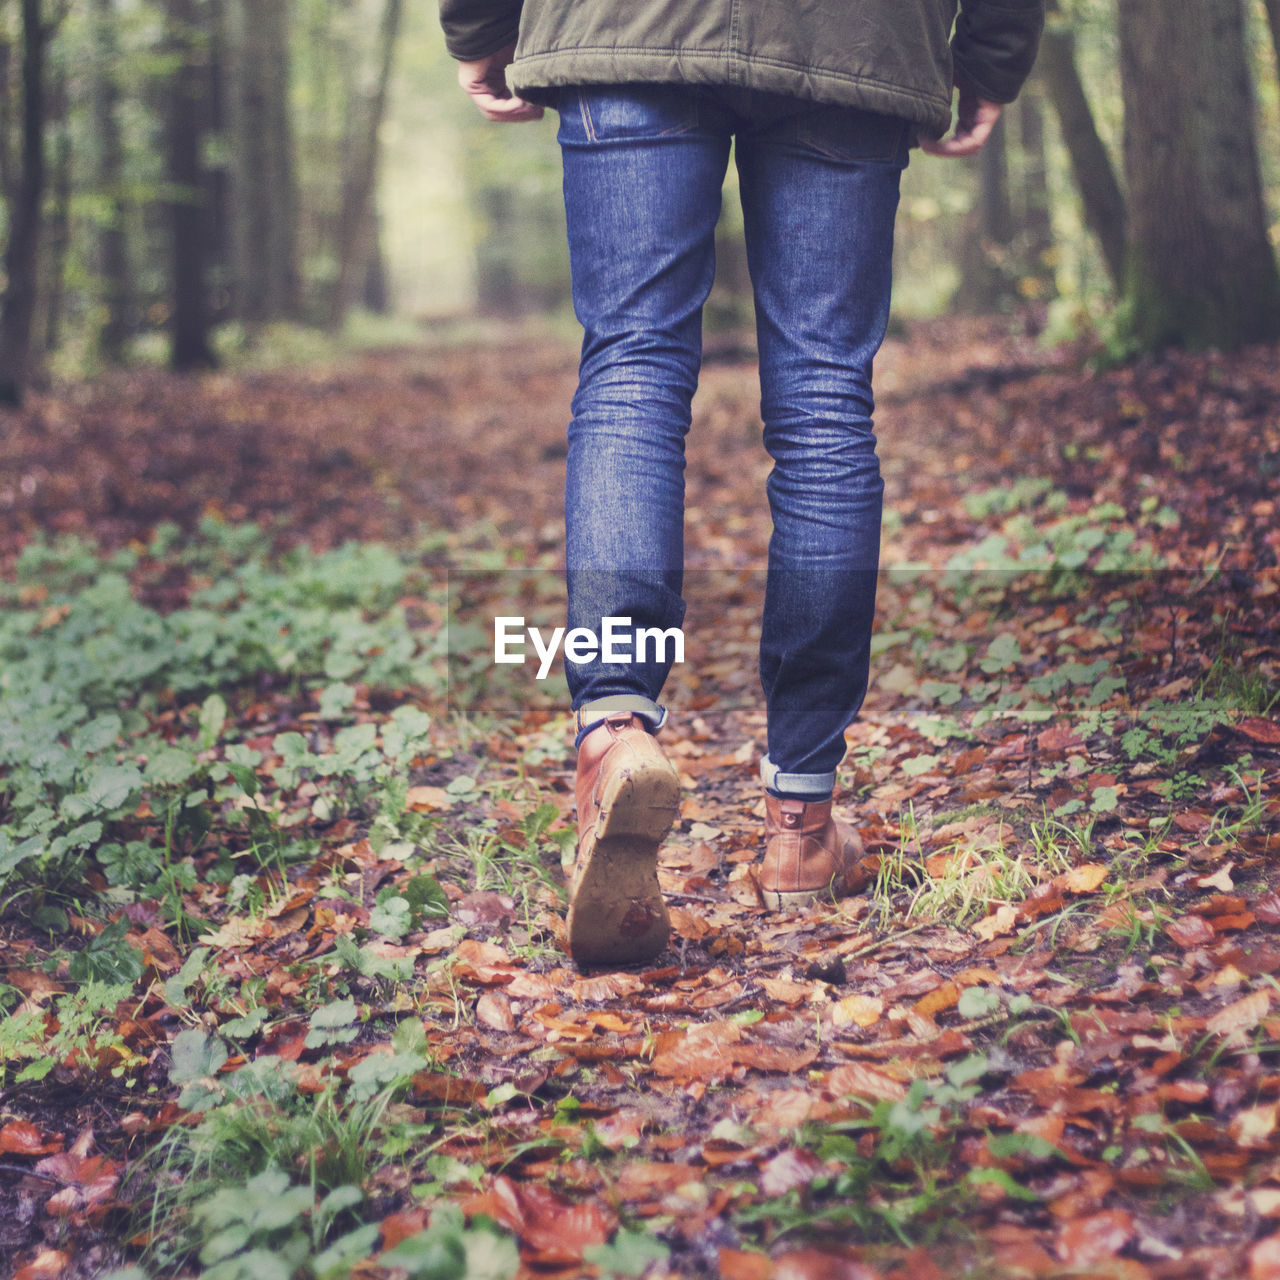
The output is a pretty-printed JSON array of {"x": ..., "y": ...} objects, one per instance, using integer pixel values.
[{"x": 186, "y": 180}]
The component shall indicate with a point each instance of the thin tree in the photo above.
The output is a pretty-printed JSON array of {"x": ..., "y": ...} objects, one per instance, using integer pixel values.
[
  {"x": 1273, "y": 22},
  {"x": 52, "y": 294},
  {"x": 1095, "y": 176},
  {"x": 361, "y": 174},
  {"x": 264, "y": 184},
  {"x": 22, "y": 255},
  {"x": 113, "y": 247},
  {"x": 189, "y": 313},
  {"x": 1200, "y": 271}
]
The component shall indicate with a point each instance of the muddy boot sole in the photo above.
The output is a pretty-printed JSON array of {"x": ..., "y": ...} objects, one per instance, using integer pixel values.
[{"x": 617, "y": 914}]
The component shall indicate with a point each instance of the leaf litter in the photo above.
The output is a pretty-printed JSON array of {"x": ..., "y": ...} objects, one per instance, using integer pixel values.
[{"x": 1042, "y": 1044}]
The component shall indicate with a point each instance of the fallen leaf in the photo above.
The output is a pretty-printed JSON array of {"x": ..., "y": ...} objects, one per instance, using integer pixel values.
[
  {"x": 1189, "y": 932},
  {"x": 857, "y": 1010},
  {"x": 1000, "y": 922},
  {"x": 817, "y": 1264},
  {"x": 1242, "y": 1015},
  {"x": 939, "y": 999},
  {"x": 1084, "y": 1242},
  {"x": 738, "y": 1264},
  {"x": 239, "y": 931},
  {"x": 1259, "y": 730},
  {"x": 1084, "y": 879},
  {"x": 1254, "y": 1126},
  {"x": 1264, "y": 1259},
  {"x": 48, "y": 1264},
  {"x": 789, "y": 1170},
  {"x": 424, "y": 799},
  {"x": 400, "y": 1226},
  {"x": 784, "y": 992},
  {"x": 21, "y": 1138},
  {"x": 494, "y": 1011},
  {"x": 863, "y": 1081},
  {"x": 484, "y": 908}
]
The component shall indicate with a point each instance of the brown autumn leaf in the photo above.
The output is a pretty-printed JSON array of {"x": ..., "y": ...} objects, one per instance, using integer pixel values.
[
  {"x": 857, "y": 1010},
  {"x": 1264, "y": 1259},
  {"x": 942, "y": 997},
  {"x": 863, "y": 1081},
  {"x": 48, "y": 1264},
  {"x": 738, "y": 1264},
  {"x": 552, "y": 1231},
  {"x": 790, "y": 1060},
  {"x": 820, "y": 1264},
  {"x": 787, "y": 1170},
  {"x": 1254, "y": 1126},
  {"x": 1058, "y": 738},
  {"x": 1267, "y": 908},
  {"x": 423, "y": 799},
  {"x": 238, "y": 931},
  {"x": 785, "y": 992},
  {"x": 397, "y": 1227},
  {"x": 1241, "y": 1015},
  {"x": 21, "y": 1138},
  {"x": 704, "y": 1053},
  {"x": 494, "y": 1011},
  {"x": 484, "y": 908},
  {"x": 1190, "y": 931},
  {"x": 606, "y": 988},
  {"x": 1257, "y": 729},
  {"x": 1001, "y": 921},
  {"x": 1085, "y": 878},
  {"x": 1084, "y": 1242}
]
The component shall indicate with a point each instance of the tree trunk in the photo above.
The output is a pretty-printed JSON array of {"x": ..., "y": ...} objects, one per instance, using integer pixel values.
[
  {"x": 984, "y": 258},
  {"x": 1200, "y": 271},
  {"x": 8, "y": 181},
  {"x": 21, "y": 259},
  {"x": 189, "y": 306},
  {"x": 264, "y": 183},
  {"x": 58, "y": 230},
  {"x": 216, "y": 176},
  {"x": 1273, "y": 21},
  {"x": 113, "y": 248},
  {"x": 375, "y": 296},
  {"x": 1095, "y": 176},
  {"x": 362, "y": 170},
  {"x": 1037, "y": 220}
]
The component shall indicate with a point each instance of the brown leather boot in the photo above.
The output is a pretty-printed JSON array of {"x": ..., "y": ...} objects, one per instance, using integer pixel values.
[
  {"x": 628, "y": 795},
  {"x": 809, "y": 854}
]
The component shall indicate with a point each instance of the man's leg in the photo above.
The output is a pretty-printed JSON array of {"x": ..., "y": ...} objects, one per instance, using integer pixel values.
[
  {"x": 643, "y": 167},
  {"x": 819, "y": 192}
]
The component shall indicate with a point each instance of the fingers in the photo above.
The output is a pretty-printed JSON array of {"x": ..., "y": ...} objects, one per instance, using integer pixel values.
[
  {"x": 485, "y": 83},
  {"x": 504, "y": 110},
  {"x": 977, "y": 118}
]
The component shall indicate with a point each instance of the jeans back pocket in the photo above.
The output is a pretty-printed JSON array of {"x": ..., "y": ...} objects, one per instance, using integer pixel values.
[
  {"x": 619, "y": 113},
  {"x": 851, "y": 135}
]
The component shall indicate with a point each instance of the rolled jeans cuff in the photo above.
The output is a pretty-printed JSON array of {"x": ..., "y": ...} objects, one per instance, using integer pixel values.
[
  {"x": 803, "y": 786},
  {"x": 594, "y": 713}
]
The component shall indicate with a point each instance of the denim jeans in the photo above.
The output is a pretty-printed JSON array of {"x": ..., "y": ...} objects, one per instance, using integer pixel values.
[{"x": 643, "y": 169}]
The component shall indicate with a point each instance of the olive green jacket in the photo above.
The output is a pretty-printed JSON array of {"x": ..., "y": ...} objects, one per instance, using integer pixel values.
[{"x": 892, "y": 56}]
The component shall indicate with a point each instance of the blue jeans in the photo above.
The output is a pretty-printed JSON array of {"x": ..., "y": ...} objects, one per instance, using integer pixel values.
[{"x": 643, "y": 169}]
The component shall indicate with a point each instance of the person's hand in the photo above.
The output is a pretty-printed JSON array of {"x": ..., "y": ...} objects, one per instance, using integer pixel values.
[
  {"x": 485, "y": 83},
  {"x": 976, "y": 118}
]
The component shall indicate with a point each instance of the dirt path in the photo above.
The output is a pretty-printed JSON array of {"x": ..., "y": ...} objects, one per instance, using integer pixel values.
[{"x": 1041, "y": 1045}]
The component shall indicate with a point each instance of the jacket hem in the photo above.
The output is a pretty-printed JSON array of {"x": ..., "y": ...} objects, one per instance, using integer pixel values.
[{"x": 535, "y": 76}]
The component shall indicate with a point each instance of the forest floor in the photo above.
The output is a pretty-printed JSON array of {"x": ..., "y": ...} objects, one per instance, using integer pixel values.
[{"x": 282, "y": 963}]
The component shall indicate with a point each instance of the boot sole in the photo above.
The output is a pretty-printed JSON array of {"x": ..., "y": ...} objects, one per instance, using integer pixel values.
[
  {"x": 793, "y": 900},
  {"x": 617, "y": 915}
]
